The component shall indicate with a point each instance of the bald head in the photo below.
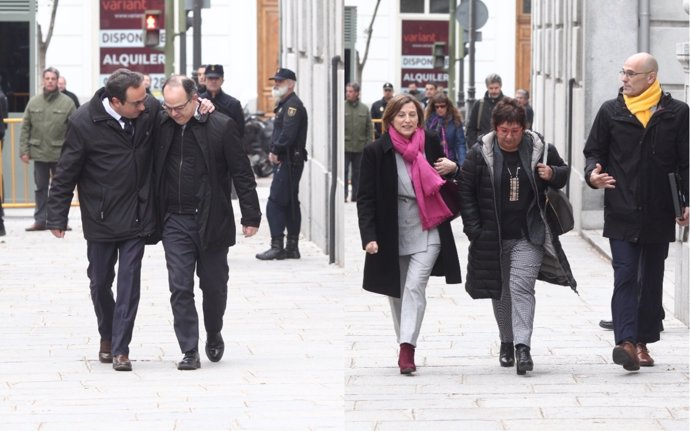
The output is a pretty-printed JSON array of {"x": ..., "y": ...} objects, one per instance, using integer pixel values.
[
  {"x": 646, "y": 61},
  {"x": 639, "y": 73}
]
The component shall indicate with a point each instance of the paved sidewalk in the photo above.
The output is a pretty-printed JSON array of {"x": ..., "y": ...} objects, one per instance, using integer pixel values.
[
  {"x": 282, "y": 368},
  {"x": 307, "y": 349},
  {"x": 459, "y": 384}
]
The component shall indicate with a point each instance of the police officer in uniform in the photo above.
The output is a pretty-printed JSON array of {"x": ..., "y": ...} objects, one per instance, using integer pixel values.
[
  {"x": 225, "y": 103},
  {"x": 288, "y": 154},
  {"x": 379, "y": 106}
]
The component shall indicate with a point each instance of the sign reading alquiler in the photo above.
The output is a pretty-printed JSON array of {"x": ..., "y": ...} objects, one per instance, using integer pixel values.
[
  {"x": 121, "y": 39},
  {"x": 417, "y": 63}
]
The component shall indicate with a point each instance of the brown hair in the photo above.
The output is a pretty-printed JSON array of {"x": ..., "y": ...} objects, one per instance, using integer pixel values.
[
  {"x": 443, "y": 99},
  {"x": 395, "y": 105},
  {"x": 508, "y": 110}
]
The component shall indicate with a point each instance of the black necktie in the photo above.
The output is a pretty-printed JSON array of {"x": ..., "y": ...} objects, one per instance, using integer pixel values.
[{"x": 129, "y": 127}]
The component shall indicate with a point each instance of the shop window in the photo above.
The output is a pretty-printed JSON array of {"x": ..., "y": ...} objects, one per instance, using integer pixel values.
[
  {"x": 14, "y": 63},
  {"x": 412, "y": 6},
  {"x": 439, "y": 6}
]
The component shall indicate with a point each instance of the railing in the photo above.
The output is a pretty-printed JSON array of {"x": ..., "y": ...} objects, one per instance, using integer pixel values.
[
  {"x": 20, "y": 190},
  {"x": 15, "y": 173}
]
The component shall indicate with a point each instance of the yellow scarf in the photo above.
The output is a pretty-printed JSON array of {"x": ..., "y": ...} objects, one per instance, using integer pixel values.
[{"x": 641, "y": 106}]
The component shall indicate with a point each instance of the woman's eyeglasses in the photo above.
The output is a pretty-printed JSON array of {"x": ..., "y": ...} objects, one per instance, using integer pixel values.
[{"x": 440, "y": 106}]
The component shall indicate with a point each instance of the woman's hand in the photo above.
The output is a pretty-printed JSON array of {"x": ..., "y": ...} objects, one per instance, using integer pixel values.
[
  {"x": 445, "y": 166},
  {"x": 544, "y": 172},
  {"x": 372, "y": 247}
]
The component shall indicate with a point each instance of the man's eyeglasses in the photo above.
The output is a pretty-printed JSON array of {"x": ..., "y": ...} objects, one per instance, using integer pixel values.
[
  {"x": 178, "y": 109},
  {"x": 506, "y": 131},
  {"x": 138, "y": 103},
  {"x": 632, "y": 73}
]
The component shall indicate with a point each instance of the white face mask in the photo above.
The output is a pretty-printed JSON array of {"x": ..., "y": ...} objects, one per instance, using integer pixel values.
[{"x": 279, "y": 92}]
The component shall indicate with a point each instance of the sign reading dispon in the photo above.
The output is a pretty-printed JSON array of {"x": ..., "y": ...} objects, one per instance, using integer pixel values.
[
  {"x": 121, "y": 39},
  {"x": 417, "y": 64}
]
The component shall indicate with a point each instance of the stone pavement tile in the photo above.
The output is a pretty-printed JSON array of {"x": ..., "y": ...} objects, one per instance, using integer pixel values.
[
  {"x": 601, "y": 424},
  {"x": 440, "y": 425}
]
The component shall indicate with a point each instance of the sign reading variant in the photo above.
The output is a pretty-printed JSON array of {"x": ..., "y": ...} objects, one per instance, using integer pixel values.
[
  {"x": 121, "y": 39},
  {"x": 417, "y": 63}
]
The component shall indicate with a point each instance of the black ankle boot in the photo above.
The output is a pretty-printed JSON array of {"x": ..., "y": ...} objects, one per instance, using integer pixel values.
[
  {"x": 507, "y": 355},
  {"x": 275, "y": 252},
  {"x": 523, "y": 359},
  {"x": 291, "y": 250}
]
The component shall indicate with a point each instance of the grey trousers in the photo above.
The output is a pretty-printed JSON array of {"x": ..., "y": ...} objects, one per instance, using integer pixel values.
[
  {"x": 408, "y": 310},
  {"x": 43, "y": 171},
  {"x": 514, "y": 312}
]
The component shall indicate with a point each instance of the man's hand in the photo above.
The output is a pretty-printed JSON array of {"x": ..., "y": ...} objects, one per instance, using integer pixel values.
[
  {"x": 273, "y": 158},
  {"x": 58, "y": 233},
  {"x": 25, "y": 158},
  {"x": 686, "y": 217},
  {"x": 601, "y": 180},
  {"x": 248, "y": 231},
  {"x": 206, "y": 106},
  {"x": 372, "y": 247}
]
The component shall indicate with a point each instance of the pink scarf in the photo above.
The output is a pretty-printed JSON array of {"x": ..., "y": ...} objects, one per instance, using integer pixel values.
[{"x": 425, "y": 180}]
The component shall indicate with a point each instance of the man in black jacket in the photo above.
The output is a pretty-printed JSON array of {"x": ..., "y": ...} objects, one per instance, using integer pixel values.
[
  {"x": 479, "y": 120},
  {"x": 3, "y": 115},
  {"x": 195, "y": 157},
  {"x": 636, "y": 140},
  {"x": 62, "y": 86},
  {"x": 214, "y": 77},
  {"x": 379, "y": 106},
  {"x": 107, "y": 155}
]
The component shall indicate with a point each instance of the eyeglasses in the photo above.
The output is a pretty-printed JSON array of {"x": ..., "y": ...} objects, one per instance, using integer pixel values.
[
  {"x": 177, "y": 108},
  {"x": 138, "y": 103},
  {"x": 506, "y": 131},
  {"x": 440, "y": 107},
  {"x": 631, "y": 73}
]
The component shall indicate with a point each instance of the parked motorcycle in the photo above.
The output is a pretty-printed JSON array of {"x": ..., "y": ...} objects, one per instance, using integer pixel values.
[{"x": 257, "y": 140}]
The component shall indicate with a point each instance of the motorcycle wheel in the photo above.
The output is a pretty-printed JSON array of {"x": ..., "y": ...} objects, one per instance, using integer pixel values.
[{"x": 262, "y": 167}]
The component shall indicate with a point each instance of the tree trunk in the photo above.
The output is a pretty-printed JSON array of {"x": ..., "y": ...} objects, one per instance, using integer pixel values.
[
  {"x": 43, "y": 44},
  {"x": 370, "y": 30}
]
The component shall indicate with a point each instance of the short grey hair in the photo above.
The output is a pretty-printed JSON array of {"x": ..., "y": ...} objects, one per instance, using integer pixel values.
[{"x": 51, "y": 69}]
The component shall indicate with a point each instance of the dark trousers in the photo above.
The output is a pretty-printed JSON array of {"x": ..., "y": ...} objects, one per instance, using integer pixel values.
[
  {"x": 636, "y": 305},
  {"x": 282, "y": 208},
  {"x": 183, "y": 254},
  {"x": 42, "y": 173},
  {"x": 354, "y": 160},
  {"x": 115, "y": 317}
]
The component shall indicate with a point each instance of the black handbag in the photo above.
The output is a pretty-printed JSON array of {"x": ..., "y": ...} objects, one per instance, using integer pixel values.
[
  {"x": 450, "y": 192},
  {"x": 558, "y": 210}
]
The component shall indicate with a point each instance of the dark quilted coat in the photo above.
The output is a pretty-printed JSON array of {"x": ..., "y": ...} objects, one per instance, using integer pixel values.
[{"x": 479, "y": 187}]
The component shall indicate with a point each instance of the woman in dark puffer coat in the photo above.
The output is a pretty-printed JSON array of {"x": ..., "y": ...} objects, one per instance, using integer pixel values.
[{"x": 502, "y": 190}]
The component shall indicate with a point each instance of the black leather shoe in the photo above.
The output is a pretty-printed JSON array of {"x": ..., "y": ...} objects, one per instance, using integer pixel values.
[
  {"x": 35, "y": 227},
  {"x": 215, "y": 347},
  {"x": 606, "y": 324},
  {"x": 507, "y": 356},
  {"x": 190, "y": 361},
  {"x": 523, "y": 359},
  {"x": 122, "y": 363}
]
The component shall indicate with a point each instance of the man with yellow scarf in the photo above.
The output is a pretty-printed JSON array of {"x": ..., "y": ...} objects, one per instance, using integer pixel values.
[{"x": 636, "y": 140}]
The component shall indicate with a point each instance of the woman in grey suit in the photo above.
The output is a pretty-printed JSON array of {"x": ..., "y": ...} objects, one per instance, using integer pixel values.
[{"x": 404, "y": 223}]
